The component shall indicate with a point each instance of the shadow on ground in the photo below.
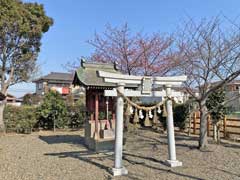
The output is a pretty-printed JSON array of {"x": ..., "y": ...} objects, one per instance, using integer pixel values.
[
  {"x": 86, "y": 156},
  {"x": 97, "y": 159},
  {"x": 68, "y": 139},
  {"x": 154, "y": 164},
  {"x": 230, "y": 145},
  {"x": 228, "y": 172},
  {"x": 162, "y": 140},
  {"x": 131, "y": 159}
]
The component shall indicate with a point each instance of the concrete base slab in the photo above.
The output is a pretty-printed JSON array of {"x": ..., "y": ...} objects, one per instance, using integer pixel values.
[
  {"x": 100, "y": 145},
  {"x": 107, "y": 133},
  {"x": 173, "y": 163},
  {"x": 119, "y": 171}
]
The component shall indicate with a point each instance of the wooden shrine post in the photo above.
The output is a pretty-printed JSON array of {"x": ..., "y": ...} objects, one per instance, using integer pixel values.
[
  {"x": 146, "y": 83},
  {"x": 96, "y": 136}
]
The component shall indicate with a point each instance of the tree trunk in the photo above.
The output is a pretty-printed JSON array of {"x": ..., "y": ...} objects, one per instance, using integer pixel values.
[
  {"x": 218, "y": 134},
  {"x": 203, "y": 125},
  {"x": 215, "y": 132},
  {"x": 2, "y": 125},
  {"x": 54, "y": 126}
]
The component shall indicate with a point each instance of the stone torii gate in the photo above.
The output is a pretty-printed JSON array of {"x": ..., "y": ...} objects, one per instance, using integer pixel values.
[{"x": 146, "y": 83}]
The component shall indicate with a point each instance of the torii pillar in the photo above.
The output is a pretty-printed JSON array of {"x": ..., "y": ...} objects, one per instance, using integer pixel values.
[
  {"x": 146, "y": 83},
  {"x": 119, "y": 169},
  {"x": 172, "y": 161}
]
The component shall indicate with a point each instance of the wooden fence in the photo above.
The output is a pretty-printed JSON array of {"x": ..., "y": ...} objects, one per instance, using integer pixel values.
[{"x": 230, "y": 126}]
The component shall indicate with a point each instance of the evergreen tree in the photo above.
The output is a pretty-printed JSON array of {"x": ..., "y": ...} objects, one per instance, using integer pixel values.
[
  {"x": 217, "y": 110},
  {"x": 22, "y": 25},
  {"x": 53, "y": 111}
]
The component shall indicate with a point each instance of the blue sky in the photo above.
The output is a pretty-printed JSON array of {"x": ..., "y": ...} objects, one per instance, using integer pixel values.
[{"x": 75, "y": 22}]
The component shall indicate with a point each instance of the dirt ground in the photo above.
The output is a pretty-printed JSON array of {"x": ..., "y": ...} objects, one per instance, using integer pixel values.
[{"x": 62, "y": 156}]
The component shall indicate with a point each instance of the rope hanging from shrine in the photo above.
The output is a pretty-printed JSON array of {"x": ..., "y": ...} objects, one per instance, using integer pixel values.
[{"x": 148, "y": 110}]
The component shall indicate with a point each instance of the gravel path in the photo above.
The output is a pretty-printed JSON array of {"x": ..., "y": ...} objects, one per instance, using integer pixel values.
[{"x": 62, "y": 156}]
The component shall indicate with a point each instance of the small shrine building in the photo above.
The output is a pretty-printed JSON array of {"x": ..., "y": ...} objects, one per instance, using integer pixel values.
[{"x": 100, "y": 118}]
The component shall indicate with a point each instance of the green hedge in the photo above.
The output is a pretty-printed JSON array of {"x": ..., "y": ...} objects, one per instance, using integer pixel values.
[
  {"x": 20, "y": 119},
  {"x": 76, "y": 116},
  {"x": 23, "y": 119}
]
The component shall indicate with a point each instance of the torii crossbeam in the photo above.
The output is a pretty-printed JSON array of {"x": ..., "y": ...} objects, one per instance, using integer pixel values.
[{"x": 145, "y": 83}]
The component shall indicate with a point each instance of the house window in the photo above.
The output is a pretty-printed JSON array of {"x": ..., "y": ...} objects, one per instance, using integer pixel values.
[{"x": 40, "y": 86}]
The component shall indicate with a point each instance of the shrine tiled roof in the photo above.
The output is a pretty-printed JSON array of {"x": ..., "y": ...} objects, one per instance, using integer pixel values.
[{"x": 87, "y": 74}]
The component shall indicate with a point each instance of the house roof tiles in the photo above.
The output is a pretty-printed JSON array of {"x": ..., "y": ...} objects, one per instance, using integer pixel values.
[{"x": 56, "y": 76}]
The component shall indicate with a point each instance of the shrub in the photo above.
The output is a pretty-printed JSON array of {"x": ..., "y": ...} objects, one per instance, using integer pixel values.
[
  {"x": 102, "y": 115},
  {"x": 180, "y": 115},
  {"x": 31, "y": 99},
  {"x": 76, "y": 115},
  {"x": 53, "y": 111},
  {"x": 20, "y": 119},
  {"x": 217, "y": 110},
  {"x": 215, "y": 105}
]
